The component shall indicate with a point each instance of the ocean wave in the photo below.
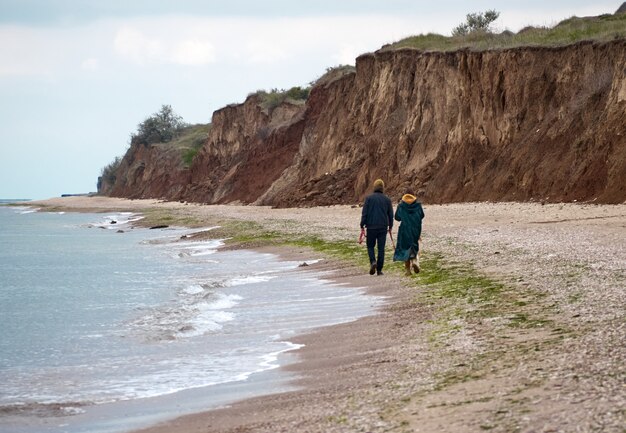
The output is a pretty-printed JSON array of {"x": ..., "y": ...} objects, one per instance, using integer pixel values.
[
  {"x": 250, "y": 279},
  {"x": 194, "y": 289},
  {"x": 198, "y": 310},
  {"x": 208, "y": 320},
  {"x": 116, "y": 221},
  {"x": 196, "y": 249},
  {"x": 26, "y": 210},
  {"x": 154, "y": 379}
]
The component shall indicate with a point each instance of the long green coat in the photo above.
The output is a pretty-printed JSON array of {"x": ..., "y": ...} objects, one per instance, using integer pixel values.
[{"x": 410, "y": 216}]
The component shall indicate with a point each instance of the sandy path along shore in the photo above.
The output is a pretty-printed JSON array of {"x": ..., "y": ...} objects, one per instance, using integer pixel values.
[{"x": 546, "y": 353}]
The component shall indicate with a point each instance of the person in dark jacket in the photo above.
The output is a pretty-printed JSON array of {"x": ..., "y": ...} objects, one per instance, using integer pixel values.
[
  {"x": 377, "y": 217},
  {"x": 410, "y": 214}
]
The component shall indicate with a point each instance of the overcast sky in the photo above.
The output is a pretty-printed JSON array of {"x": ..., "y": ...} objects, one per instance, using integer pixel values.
[{"x": 77, "y": 76}]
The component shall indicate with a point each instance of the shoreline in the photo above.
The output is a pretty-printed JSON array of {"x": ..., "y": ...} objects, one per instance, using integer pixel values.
[
  {"x": 275, "y": 379},
  {"x": 516, "y": 323},
  {"x": 317, "y": 368}
]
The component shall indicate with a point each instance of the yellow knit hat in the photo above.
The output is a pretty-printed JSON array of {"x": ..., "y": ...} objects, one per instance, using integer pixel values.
[{"x": 378, "y": 183}]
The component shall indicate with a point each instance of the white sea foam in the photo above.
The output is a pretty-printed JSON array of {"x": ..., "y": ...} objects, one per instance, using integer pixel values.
[
  {"x": 270, "y": 361},
  {"x": 319, "y": 299},
  {"x": 200, "y": 310},
  {"x": 166, "y": 377},
  {"x": 190, "y": 233},
  {"x": 73, "y": 410},
  {"x": 223, "y": 301},
  {"x": 250, "y": 279},
  {"x": 116, "y": 221},
  {"x": 178, "y": 375},
  {"x": 210, "y": 316},
  {"x": 29, "y": 210},
  {"x": 207, "y": 321},
  {"x": 196, "y": 249},
  {"x": 90, "y": 336},
  {"x": 194, "y": 289}
]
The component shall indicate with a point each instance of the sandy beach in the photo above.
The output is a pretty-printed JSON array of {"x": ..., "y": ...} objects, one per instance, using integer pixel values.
[{"x": 517, "y": 322}]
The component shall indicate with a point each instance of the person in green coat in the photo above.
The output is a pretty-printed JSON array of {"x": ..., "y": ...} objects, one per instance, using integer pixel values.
[{"x": 410, "y": 214}]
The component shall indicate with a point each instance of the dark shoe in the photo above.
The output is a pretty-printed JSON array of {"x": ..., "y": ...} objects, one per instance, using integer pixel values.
[
  {"x": 379, "y": 273},
  {"x": 415, "y": 264},
  {"x": 373, "y": 268}
]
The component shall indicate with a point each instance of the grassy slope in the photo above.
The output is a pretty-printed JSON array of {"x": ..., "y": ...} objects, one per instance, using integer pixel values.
[
  {"x": 189, "y": 142},
  {"x": 601, "y": 28}
]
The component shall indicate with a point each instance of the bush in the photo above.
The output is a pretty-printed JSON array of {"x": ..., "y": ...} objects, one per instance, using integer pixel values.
[
  {"x": 161, "y": 127},
  {"x": 107, "y": 173},
  {"x": 275, "y": 97},
  {"x": 477, "y": 21}
]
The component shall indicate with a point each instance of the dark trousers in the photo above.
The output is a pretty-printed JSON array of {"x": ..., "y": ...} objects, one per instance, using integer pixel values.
[{"x": 377, "y": 236}]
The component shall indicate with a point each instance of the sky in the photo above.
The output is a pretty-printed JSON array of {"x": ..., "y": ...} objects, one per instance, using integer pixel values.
[{"x": 78, "y": 76}]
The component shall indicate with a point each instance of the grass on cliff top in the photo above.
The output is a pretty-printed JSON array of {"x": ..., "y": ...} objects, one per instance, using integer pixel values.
[
  {"x": 333, "y": 74},
  {"x": 601, "y": 28},
  {"x": 275, "y": 97}
]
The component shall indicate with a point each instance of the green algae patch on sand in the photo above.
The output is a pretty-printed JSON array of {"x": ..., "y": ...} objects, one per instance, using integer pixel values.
[
  {"x": 169, "y": 217},
  {"x": 244, "y": 234},
  {"x": 350, "y": 252},
  {"x": 250, "y": 234},
  {"x": 458, "y": 291},
  {"x": 481, "y": 328}
]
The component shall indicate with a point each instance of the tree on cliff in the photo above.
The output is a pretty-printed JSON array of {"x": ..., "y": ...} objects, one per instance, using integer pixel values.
[
  {"x": 161, "y": 127},
  {"x": 108, "y": 175},
  {"x": 477, "y": 21}
]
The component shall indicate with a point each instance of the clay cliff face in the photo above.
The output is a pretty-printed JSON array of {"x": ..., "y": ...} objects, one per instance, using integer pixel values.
[
  {"x": 516, "y": 124},
  {"x": 247, "y": 150},
  {"x": 149, "y": 171}
]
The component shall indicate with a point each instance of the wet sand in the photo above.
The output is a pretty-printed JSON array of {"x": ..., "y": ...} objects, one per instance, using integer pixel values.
[{"x": 547, "y": 354}]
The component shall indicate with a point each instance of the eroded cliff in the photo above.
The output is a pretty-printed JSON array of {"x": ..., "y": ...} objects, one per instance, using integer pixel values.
[{"x": 513, "y": 124}]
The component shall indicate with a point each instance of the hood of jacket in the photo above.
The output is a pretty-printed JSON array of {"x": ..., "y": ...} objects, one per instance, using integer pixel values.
[{"x": 409, "y": 198}]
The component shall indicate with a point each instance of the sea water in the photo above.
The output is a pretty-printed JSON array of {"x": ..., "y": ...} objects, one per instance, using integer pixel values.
[{"x": 95, "y": 313}]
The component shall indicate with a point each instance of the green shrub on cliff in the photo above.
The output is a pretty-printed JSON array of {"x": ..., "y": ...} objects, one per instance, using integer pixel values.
[
  {"x": 275, "y": 97},
  {"x": 162, "y": 127},
  {"x": 476, "y": 22},
  {"x": 107, "y": 174}
]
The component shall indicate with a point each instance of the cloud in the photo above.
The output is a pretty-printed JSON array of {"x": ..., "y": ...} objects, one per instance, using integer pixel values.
[
  {"x": 193, "y": 52},
  {"x": 196, "y": 41},
  {"x": 90, "y": 64},
  {"x": 50, "y": 52},
  {"x": 23, "y": 52},
  {"x": 135, "y": 46},
  {"x": 162, "y": 47},
  {"x": 264, "y": 52}
]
